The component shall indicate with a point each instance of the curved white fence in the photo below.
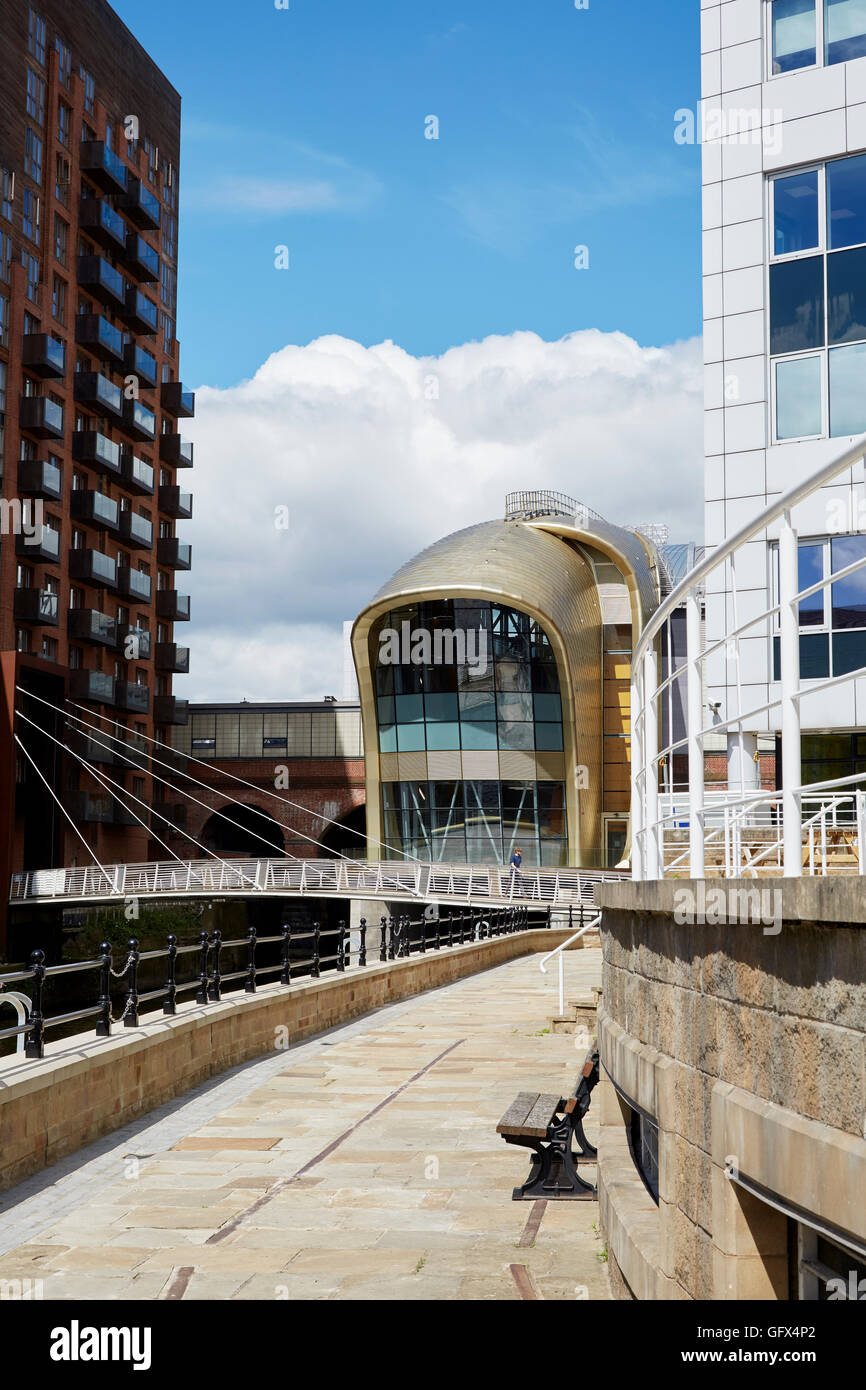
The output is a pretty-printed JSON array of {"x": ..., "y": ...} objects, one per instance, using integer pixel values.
[
  {"x": 819, "y": 827},
  {"x": 387, "y": 880}
]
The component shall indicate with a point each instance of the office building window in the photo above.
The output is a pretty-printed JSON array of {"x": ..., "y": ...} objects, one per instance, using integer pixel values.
[
  {"x": 30, "y": 215},
  {"x": 818, "y": 300},
  {"x": 36, "y": 37},
  {"x": 64, "y": 62},
  {"x": 833, "y": 620},
  {"x": 35, "y": 102},
  {"x": 809, "y": 33},
  {"x": 33, "y": 155}
]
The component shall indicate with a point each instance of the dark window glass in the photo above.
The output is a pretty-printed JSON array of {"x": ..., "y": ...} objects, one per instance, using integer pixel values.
[
  {"x": 797, "y": 305},
  {"x": 846, "y": 296},
  {"x": 795, "y": 215},
  {"x": 810, "y": 569},
  {"x": 846, "y": 202},
  {"x": 849, "y": 652},
  {"x": 814, "y": 656},
  {"x": 849, "y": 595},
  {"x": 548, "y": 737}
]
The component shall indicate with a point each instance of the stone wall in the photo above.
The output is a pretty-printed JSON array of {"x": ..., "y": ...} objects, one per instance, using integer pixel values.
[
  {"x": 746, "y": 1043},
  {"x": 86, "y": 1086}
]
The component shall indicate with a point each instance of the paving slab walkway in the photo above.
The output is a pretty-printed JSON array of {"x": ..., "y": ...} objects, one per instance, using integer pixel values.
[{"x": 363, "y": 1164}]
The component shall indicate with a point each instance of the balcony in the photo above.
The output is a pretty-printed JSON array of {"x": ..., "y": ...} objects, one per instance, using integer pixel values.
[
  {"x": 141, "y": 363},
  {"x": 89, "y": 446},
  {"x": 86, "y": 504},
  {"x": 172, "y": 606},
  {"x": 130, "y": 696},
  {"x": 43, "y": 355},
  {"x": 40, "y": 479},
  {"x": 136, "y": 531},
  {"x": 139, "y": 421},
  {"x": 140, "y": 206},
  {"x": 177, "y": 402},
  {"x": 101, "y": 337},
  {"x": 93, "y": 686},
  {"x": 95, "y": 750},
  {"x": 89, "y": 625},
  {"x": 134, "y": 642},
  {"x": 102, "y": 224},
  {"x": 92, "y": 567},
  {"x": 41, "y": 546},
  {"x": 139, "y": 312},
  {"x": 141, "y": 258},
  {"x": 175, "y": 450},
  {"x": 168, "y": 710},
  {"x": 103, "y": 166},
  {"x": 133, "y": 584},
  {"x": 174, "y": 554},
  {"x": 99, "y": 394},
  {"x": 136, "y": 473},
  {"x": 41, "y": 417},
  {"x": 172, "y": 658},
  {"x": 37, "y": 606},
  {"x": 175, "y": 502},
  {"x": 101, "y": 280},
  {"x": 92, "y": 808}
]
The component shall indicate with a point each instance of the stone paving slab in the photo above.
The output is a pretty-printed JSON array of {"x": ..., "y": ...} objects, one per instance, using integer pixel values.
[{"x": 362, "y": 1165}]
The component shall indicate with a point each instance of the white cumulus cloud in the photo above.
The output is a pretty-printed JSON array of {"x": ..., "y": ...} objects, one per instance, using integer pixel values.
[{"x": 373, "y": 454}]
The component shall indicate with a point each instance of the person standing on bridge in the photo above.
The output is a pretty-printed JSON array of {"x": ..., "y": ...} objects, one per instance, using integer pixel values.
[{"x": 516, "y": 876}]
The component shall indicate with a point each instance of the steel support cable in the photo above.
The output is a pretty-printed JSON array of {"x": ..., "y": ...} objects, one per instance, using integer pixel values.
[
  {"x": 182, "y": 792},
  {"x": 109, "y": 781},
  {"x": 39, "y": 774},
  {"x": 189, "y": 757}
]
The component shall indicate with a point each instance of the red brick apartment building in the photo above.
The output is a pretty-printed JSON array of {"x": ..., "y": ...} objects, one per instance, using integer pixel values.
[{"x": 91, "y": 405}]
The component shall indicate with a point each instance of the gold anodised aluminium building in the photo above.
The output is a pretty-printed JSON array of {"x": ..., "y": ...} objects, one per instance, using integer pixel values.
[{"x": 494, "y": 679}]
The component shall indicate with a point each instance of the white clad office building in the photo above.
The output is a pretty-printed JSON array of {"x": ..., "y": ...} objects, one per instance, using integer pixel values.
[{"x": 784, "y": 264}]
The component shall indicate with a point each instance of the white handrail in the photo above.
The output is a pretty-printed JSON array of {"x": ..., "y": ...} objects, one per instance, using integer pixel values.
[
  {"x": 558, "y": 950},
  {"x": 21, "y": 1003}
]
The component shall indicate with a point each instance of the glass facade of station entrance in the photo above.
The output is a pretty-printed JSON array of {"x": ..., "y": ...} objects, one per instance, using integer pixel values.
[{"x": 467, "y": 677}]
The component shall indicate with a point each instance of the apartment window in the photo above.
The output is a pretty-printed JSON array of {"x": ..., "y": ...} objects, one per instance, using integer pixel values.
[
  {"x": 33, "y": 155},
  {"x": 7, "y": 193},
  {"x": 31, "y": 265},
  {"x": 89, "y": 90},
  {"x": 5, "y": 255},
  {"x": 35, "y": 102},
  {"x": 818, "y": 300},
  {"x": 833, "y": 620},
  {"x": 61, "y": 239},
  {"x": 810, "y": 33},
  {"x": 61, "y": 180},
  {"x": 30, "y": 215},
  {"x": 49, "y": 649},
  {"x": 2, "y": 409},
  {"x": 153, "y": 164},
  {"x": 36, "y": 37},
  {"x": 167, "y": 324},
  {"x": 58, "y": 299},
  {"x": 169, "y": 187},
  {"x": 64, "y": 123},
  {"x": 22, "y": 639},
  {"x": 169, "y": 286},
  {"x": 76, "y": 658},
  {"x": 64, "y": 62},
  {"x": 4, "y": 320},
  {"x": 169, "y": 236}
]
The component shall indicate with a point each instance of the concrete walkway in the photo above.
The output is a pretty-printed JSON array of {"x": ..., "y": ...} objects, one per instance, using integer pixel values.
[{"x": 361, "y": 1165}]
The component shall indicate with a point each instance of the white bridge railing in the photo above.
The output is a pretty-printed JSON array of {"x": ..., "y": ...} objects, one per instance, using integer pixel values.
[
  {"x": 386, "y": 880},
  {"x": 816, "y": 828}
]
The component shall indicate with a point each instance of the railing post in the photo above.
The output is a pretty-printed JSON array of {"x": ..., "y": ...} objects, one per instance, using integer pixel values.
[
  {"x": 204, "y": 946},
  {"x": 695, "y": 739},
  {"x": 861, "y": 831},
  {"x": 35, "y": 1045},
  {"x": 637, "y": 822},
  {"x": 651, "y": 772},
  {"x": 437, "y": 940},
  {"x": 789, "y": 673},
  {"x": 169, "y": 1005},
  {"x": 130, "y": 1008},
  {"x": 213, "y": 989},
  {"x": 315, "y": 969},
  {"x": 392, "y": 943},
  {"x": 423, "y": 946},
  {"x": 341, "y": 947},
  {"x": 383, "y": 939},
  {"x": 103, "y": 1023},
  {"x": 362, "y": 953},
  {"x": 250, "y": 986},
  {"x": 286, "y": 975}
]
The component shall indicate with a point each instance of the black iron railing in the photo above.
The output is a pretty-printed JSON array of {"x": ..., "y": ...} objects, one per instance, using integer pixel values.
[{"x": 299, "y": 954}]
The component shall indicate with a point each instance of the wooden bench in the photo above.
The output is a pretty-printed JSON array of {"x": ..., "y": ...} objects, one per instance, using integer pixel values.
[{"x": 549, "y": 1125}]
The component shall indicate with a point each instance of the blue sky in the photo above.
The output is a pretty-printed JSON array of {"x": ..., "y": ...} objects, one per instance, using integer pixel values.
[{"x": 305, "y": 127}]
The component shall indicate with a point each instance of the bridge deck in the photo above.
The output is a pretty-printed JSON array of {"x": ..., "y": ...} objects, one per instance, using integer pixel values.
[{"x": 413, "y": 1203}]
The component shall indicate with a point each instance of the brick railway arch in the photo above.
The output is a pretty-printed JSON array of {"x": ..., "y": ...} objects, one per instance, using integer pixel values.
[
  {"x": 347, "y": 836},
  {"x": 243, "y": 829}
]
